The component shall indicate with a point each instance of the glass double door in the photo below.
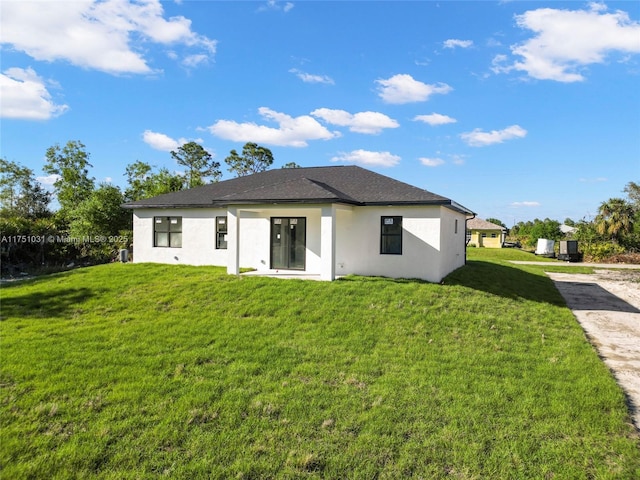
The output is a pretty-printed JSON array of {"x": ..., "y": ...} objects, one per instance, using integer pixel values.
[{"x": 288, "y": 243}]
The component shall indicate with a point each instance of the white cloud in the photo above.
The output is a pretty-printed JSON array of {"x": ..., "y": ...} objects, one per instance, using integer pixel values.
[
  {"x": 565, "y": 41},
  {"x": 525, "y": 204},
  {"x": 434, "y": 119},
  {"x": 291, "y": 131},
  {"x": 593, "y": 180},
  {"x": 458, "y": 159},
  {"x": 431, "y": 162},
  {"x": 478, "y": 138},
  {"x": 403, "y": 88},
  {"x": 25, "y": 96},
  {"x": 452, "y": 43},
  {"x": 49, "y": 180},
  {"x": 105, "y": 35},
  {"x": 274, "y": 5},
  {"x": 160, "y": 141},
  {"x": 361, "y": 122},
  {"x": 309, "y": 78},
  {"x": 192, "y": 61},
  {"x": 365, "y": 157},
  {"x": 164, "y": 143}
]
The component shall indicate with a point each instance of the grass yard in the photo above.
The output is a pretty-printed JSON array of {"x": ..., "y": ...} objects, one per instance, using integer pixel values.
[{"x": 144, "y": 371}]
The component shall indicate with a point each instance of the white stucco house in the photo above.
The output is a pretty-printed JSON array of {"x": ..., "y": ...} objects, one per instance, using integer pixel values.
[{"x": 323, "y": 221}]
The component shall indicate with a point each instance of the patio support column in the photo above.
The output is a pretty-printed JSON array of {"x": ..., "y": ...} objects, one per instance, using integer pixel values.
[
  {"x": 233, "y": 241},
  {"x": 328, "y": 243}
]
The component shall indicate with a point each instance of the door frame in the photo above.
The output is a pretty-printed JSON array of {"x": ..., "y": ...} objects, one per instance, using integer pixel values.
[{"x": 288, "y": 267}]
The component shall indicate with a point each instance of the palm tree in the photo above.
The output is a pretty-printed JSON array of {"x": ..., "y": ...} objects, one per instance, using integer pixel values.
[{"x": 615, "y": 219}]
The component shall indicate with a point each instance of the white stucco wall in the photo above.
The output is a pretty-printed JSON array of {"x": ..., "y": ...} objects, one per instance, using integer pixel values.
[
  {"x": 198, "y": 237},
  {"x": 358, "y": 243},
  {"x": 255, "y": 234},
  {"x": 453, "y": 243},
  {"x": 430, "y": 249}
]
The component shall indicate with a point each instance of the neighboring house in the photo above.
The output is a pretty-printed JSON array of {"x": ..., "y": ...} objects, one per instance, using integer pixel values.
[
  {"x": 325, "y": 221},
  {"x": 485, "y": 234},
  {"x": 568, "y": 229}
]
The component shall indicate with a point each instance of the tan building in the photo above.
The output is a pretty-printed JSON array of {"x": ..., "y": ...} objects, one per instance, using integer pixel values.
[{"x": 481, "y": 233}]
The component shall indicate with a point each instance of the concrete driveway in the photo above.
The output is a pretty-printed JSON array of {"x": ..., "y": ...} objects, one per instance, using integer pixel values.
[{"x": 607, "y": 305}]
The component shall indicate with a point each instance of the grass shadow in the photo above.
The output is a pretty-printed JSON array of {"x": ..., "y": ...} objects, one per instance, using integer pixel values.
[
  {"x": 506, "y": 281},
  {"x": 54, "y": 303},
  {"x": 363, "y": 278},
  {"x": 591, "y": 296}
]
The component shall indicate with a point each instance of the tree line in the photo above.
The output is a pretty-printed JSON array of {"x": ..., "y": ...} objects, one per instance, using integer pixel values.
[
  {"x": 614, "y": 233},
  {"x": 89, "y": 224}
]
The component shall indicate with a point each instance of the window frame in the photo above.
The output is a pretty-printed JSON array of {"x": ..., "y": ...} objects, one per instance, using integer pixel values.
[
  {"x": 221, "y": 235},
  {"x": 174, "y": 235},
  {"x": 387, "y": 248}
]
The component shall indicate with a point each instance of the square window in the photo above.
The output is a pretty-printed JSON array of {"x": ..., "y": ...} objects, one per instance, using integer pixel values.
[{"x": 167, "y": 232}]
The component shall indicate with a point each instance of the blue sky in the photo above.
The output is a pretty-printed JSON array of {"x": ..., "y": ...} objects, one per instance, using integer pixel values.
[{"x": 516, "y": 110}]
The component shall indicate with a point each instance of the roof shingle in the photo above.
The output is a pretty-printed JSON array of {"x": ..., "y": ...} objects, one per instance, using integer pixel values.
[
  {"x": 480, "y": 224},
  {"x": 338, "y": 184}
]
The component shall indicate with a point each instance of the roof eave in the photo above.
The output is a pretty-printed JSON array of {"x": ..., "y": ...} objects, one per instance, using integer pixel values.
[
  {"x": 226, "y": 203},
  {"x": 441, "y": 203},
  {"x": 461, "y": 208},
  {"x": 444, "y": 203},
  {"x": 128, "y": 206},
  {"x": 276, "y": 201}
]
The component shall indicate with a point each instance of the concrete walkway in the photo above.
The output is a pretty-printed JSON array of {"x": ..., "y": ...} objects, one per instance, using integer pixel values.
[
  {"x": 582, "y": 264},
  {"x": 607, "y": 306},
  {"x": 284, "y": 274}
]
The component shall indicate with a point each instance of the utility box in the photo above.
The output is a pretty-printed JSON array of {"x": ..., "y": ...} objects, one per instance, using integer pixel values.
[
  {"x": 568, "y": 251},
  {"x": 124, "y": 255}
]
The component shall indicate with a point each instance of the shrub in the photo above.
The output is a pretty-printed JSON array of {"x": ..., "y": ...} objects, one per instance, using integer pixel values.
[
  {"x": 627, "y": 257},
  {"x": 600, "y": 251}
]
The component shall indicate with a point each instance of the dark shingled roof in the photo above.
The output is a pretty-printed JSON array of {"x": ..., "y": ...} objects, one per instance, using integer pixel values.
[{"x": 341, "y": 184}]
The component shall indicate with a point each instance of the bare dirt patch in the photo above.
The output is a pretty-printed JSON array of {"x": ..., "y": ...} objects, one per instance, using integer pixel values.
[{"x": 607, "y": 305}]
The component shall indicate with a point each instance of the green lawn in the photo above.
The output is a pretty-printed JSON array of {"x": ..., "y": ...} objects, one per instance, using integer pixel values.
[{"x": 144, "y": 371}]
